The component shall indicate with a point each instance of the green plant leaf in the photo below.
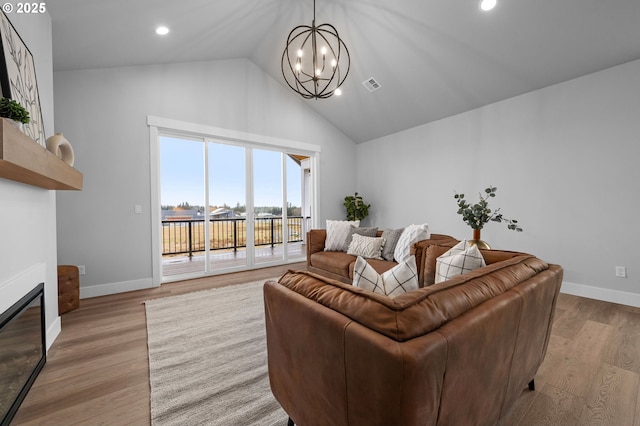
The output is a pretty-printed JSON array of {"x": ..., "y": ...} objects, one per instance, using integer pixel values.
[{"x": 478, "y": 214}]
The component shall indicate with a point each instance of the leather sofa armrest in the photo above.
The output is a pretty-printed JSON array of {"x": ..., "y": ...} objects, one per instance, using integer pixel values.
[{"x": 315, "y": 242}]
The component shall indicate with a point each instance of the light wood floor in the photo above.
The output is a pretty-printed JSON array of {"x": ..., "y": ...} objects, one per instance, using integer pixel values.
[
  {"x": 97, "y": 371},
  {"x": 591, "y": 373}
]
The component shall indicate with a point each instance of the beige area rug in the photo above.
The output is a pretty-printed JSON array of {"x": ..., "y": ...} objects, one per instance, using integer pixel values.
[{"x": 208, "y": 359}]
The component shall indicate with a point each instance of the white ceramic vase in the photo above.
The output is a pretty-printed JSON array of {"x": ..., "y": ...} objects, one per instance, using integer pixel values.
[{"x": 61, "y": 148}]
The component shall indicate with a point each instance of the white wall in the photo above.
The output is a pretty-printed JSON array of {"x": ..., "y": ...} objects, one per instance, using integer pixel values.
[
  {"x": 564, "y": 160},
  {"x": 28, "y": 214},
  {"x": 103, "y": 113}
]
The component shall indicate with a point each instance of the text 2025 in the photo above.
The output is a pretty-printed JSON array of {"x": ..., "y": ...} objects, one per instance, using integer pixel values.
[{"x": 31, "y": 7}]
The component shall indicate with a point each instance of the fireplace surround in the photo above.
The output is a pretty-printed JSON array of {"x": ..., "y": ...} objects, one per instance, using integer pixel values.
[{"x": 22, "y": 350}]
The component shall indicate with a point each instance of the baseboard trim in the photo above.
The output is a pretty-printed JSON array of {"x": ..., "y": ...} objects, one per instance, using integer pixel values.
[
  {"x": 113, "y": 288},
  {"x": 606, "y": 295},
  {"x": 53, "y": 331}
]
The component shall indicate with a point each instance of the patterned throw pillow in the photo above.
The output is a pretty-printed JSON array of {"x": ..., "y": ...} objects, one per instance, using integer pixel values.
[
  {"x": 338, "y": 234},
  {"x": 400, "y": 279},
  {"x": 367, "y": 247},
  {"x": 460, "y": 259},
  {"x": 410, "y": 235},
  {"x": 391, "y": 237}
]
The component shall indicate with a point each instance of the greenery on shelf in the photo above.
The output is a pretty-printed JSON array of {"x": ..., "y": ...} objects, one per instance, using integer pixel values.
[
  {"x": 478, "y": 214},
  {"x": 13, "y": 110},
  {"x": 356, "y": 208}
]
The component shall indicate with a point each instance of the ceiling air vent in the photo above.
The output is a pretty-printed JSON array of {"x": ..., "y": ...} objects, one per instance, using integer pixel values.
[{"x": 371, "y": 84}]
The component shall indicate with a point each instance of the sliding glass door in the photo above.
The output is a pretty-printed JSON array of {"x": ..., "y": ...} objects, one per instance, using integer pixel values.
[
  {"x": 182, "y": 198},
  {"x": 227, "y": 205},
  {"x": 297, "y": 191},
  {"x": 267, "y": 205},
  {"x": 230, "y": 206}
]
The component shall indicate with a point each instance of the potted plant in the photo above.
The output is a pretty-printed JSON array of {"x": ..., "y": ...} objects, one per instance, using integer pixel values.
[
  {"x": 14, "y": 112},
  {"x": 356, "y": 208},
  {"x": 478, "y": 214}
]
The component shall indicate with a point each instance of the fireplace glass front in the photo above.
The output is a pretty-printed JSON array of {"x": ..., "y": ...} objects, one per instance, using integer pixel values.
[{"x": 22, "y": 350}]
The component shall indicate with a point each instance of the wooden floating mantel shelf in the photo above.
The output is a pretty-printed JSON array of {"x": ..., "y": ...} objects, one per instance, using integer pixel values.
[{"x": 23, "y": 160}]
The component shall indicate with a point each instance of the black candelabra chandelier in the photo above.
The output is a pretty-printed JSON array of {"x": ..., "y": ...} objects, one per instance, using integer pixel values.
[{"x": 315, "y": 61}]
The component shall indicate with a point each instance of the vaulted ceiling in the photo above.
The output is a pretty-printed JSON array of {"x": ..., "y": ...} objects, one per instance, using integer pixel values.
[{"x": 432, "y": 58}]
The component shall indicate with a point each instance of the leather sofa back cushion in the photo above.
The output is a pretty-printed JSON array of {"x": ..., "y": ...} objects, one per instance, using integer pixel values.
[
  {"x": 420, "y": 311},
  {"x": 435, "y": 251}
]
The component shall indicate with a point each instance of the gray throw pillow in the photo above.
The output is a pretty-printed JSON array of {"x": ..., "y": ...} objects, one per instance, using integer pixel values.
[
  {"x": 391, "y": 237},
  {"x": 366, "y": 232}
]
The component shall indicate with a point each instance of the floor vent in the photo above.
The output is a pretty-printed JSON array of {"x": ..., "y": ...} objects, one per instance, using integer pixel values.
[{"x": 371, "y": 84}]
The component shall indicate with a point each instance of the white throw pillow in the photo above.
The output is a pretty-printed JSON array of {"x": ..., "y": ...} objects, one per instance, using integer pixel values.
[
  {"x": 400, "y": 279},
  {"x": 410, "y": 235},
  {"x": 338, "y": 234},
  {"x": 365, "y": 277},
  {"x": 460, "y": 259},
  {"x": 367, "y": 247}
]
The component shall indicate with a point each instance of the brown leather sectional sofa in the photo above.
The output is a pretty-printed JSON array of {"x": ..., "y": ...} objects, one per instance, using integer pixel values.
[
  {"x": 339, "y": 265},
  {"x": 455, "y": 353}
]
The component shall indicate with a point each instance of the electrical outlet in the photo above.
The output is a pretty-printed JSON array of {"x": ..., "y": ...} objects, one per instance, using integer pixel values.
[
  {"x": 81, "y": 269},
  {"x": 621, "y": 271},
  {"x": 137, "y": 208}
]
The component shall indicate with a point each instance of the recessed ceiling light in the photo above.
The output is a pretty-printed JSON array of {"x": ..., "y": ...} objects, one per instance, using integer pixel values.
[
  {"x": 162, "y": 30},
  {"x": 487, "y": 5}
]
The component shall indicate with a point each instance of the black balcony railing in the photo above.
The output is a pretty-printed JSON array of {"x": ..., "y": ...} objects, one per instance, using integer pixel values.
[{"x": 187, "y": 236}]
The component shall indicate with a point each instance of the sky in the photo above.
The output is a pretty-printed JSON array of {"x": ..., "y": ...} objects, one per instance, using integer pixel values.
[{"x": 182, "y": 175}]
